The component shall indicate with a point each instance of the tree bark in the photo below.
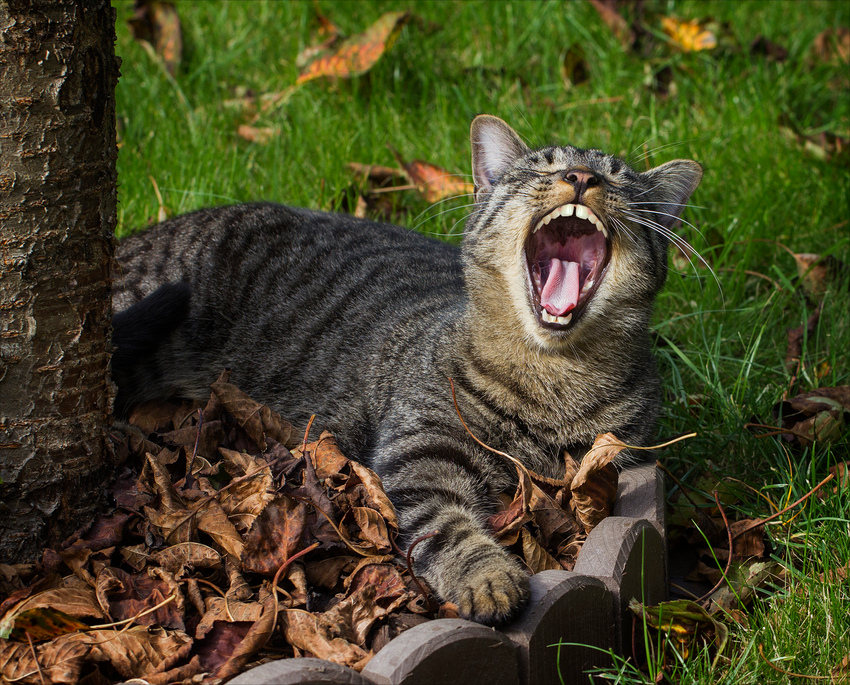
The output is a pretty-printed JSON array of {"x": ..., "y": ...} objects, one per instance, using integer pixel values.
[{"x": 58, "y": 73}]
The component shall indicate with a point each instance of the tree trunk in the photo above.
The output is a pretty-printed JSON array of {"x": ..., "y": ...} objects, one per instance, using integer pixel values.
[{"x": 58, "y": 72}]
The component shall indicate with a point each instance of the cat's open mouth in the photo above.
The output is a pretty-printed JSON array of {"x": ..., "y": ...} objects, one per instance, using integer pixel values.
[{"x": 566, "y": 253}]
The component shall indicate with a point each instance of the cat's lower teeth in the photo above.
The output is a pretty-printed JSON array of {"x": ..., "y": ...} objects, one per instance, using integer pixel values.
[{"x": 562, "y": 320}]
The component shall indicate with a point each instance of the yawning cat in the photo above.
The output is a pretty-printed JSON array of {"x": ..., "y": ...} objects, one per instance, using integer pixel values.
[{"x": 540, "y": 319}]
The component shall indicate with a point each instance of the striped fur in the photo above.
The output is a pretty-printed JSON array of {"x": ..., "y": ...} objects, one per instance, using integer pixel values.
[{"x": 363, "y": 324}]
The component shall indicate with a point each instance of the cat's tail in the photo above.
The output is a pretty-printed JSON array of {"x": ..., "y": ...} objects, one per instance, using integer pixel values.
[{"x": 138, "y": 333}]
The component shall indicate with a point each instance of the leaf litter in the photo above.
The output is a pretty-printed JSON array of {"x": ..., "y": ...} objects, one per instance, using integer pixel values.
[{"x": 238, "y": 542}]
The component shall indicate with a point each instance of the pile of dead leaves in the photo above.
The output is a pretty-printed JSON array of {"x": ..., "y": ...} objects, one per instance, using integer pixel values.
[{"x": 238, "y": 543}]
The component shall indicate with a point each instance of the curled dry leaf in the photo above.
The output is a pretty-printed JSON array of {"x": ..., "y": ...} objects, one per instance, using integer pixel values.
[
  {"x": 258, "y": 420},
  {"x": 536, "y": 556},
  {"x": 357, "y": 54},
  {"x": 817, "y": 415},
  {"x": 311, "y": 633},
  {"x": 435, "y": 183},
  {"x": 817, "y": 273},
  {"x": 594, "y": 487}
]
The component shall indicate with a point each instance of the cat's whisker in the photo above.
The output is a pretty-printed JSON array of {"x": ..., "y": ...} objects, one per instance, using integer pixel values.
[{"x": 680, "y": 242}]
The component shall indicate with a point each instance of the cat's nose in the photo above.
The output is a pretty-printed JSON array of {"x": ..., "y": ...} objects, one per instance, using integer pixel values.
[{"x": 581, "y": 180}]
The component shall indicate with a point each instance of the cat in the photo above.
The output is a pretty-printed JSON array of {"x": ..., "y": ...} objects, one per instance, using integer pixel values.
[{"x": 541, "y": 320}]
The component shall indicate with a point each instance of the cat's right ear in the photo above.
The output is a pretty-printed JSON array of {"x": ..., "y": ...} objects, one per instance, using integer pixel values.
[{"x": 495, "y": 145}]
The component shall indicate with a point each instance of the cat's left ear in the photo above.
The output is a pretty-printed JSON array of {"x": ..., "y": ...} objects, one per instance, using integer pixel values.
[
  {"x": 672, "y": 185},
  {"x": 495, "y": 145}
]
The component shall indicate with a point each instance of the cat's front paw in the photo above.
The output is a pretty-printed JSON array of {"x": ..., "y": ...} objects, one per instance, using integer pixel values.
[
  {"x": 493, "y": 592},
  {"x": 487, "y": 584}
]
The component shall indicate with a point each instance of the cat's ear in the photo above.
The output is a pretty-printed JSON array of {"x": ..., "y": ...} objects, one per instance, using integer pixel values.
[
  {"x": 672, "y": 185},
  {"x": 494, "y": 146}
]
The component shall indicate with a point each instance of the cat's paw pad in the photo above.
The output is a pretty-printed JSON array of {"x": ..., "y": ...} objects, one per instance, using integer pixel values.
[{"x": 493, "y": 591}]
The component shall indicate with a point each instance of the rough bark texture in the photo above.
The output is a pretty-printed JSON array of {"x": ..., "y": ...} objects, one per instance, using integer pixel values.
[{"x": 58, "y": 72}]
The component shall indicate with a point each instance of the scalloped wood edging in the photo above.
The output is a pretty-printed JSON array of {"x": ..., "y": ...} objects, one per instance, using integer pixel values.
[{"x": 585, "y": 611}]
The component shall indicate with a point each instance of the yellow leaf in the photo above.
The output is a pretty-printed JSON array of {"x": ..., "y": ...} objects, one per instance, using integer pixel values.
[{"x": 689, "y": 36}]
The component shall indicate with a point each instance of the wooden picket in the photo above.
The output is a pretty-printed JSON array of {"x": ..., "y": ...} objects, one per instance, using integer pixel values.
[{"x": 570, "y": 625}]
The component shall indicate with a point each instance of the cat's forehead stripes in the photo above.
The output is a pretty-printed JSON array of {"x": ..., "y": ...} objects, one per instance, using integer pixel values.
[{"x": 553, "y": 159}]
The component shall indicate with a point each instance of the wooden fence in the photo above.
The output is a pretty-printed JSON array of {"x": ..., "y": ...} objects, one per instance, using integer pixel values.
[{"x": 585, "y": 611}]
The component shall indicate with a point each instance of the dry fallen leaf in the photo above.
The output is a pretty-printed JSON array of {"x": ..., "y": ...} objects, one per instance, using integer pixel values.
[
  {"x": 257, "y": 134},
  {"x": 611, "y": 16},
  {"x": 156, "y": 26},
  {"x": 357, "y": 54},
  {"x": 594, "y": 487}
]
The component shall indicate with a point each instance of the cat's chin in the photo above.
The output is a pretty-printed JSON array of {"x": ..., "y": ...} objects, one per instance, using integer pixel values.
[{"x": 566, "y": 256}]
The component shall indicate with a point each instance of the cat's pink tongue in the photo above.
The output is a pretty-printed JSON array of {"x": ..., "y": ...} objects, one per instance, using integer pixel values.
[{"x": 560, "y": 293}]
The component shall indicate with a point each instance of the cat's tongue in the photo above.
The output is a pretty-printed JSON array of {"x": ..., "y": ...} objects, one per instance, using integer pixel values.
[{"x": 560, "y": 292}]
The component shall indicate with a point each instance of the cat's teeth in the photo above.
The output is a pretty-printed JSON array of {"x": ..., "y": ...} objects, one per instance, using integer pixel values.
[
  {"x": 562, "y": 320},
  {"x": 588, "y": 284},
  {"x": 581, "y": 211}
]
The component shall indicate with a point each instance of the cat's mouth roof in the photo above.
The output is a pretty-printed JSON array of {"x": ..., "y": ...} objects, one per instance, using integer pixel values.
[{"x": 566, "y": 253}]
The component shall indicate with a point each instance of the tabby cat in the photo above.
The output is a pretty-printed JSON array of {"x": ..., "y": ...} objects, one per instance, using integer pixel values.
[{"x": 540, "y": 318}]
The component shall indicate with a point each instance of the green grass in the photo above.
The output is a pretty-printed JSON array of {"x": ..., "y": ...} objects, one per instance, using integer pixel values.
[{"x": 725, "y": 343}]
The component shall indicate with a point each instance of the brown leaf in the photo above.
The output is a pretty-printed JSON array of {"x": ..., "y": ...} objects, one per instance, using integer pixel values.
[
  {"x": 817, "y": 273},
  {"x": 156, "y": 25},
  {"x": 135, "y": 652},
  {"x": 59, "y": 662},
  {"x": 832, "y": 46},
  {"x": 380, "y": 574},
  {"x": 253, "y": 641},
  {"x": 308, "y": 632},
  {"x": 72, "y": 597},
  {"x": 246, "y": 499},
  {"x": 816, "y": 415},
  {"x": 840, "y": 673},
  {"x": 327, "y": 459},
  {"x": 375, "y": 495},
  {"x": 275, "y": 535},
  {"x": 794, "y": 350},
  {"x": 371, "y": 528},
  {"x": 594, "y": 487},
  {"x": 506, "y": 524},
  {"x": 184, "y": 555},
  {"x": 326, "y": 572},
  {"x": 212, "y": 520},
  {"x": 435, "y": 183},
  {"x": 751, "y": 543},
  {"x": 125, "y": 596},
  {"x": 257, "y": 134},
  {"x": 536, "y": 556},
  {"x": 611, "y": 16},
  {"x": 258, "y": 420},
  {"x": 689, "y": 36},
  {"x": 357, "y": 54}
]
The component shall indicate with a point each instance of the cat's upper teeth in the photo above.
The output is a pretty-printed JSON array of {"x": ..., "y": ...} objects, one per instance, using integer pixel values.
[
  {"x": 562, "y": 320},
  {"x": 581, "y": 211}
]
